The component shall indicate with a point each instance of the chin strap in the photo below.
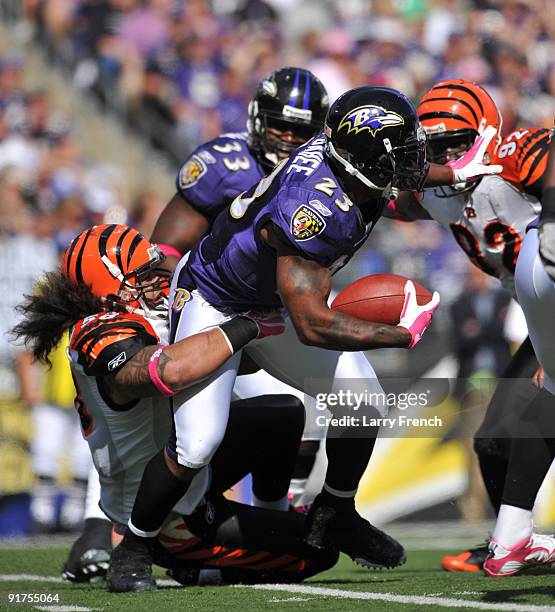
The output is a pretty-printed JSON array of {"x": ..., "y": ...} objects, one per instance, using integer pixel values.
[{"x": 350, "y": 169}]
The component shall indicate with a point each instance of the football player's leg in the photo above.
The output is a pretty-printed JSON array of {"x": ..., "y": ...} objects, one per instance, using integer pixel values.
[
  {"x": 89, "y": 556},
  {"x": 536, "y": 294},
  {"x": 261, "y": 382},
  {"x": 200, "y": 419},
  {"x": 333, "y": 517},
  {"x": 262, "y": 438},
  {"x": 530, "y": 458},
  {"x": 73, "y": 507},
  {"x": 492, "y": 442},
  {"x": 253, "y": 544},
  {"x": 319, "y": 372},
  {"x": 513, "y": 544}
]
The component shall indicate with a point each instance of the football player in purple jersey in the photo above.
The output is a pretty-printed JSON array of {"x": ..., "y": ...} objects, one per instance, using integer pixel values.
[
  {"x": 287, "y": 109},
  {"x": 278, "y": 246}
]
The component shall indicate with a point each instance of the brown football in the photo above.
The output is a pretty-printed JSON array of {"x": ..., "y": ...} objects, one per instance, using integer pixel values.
[{"x": 378, "y": 298}]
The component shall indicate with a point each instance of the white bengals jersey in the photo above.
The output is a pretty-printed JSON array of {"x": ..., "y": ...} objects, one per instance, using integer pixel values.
[
  {"x": 122, "y": 439},
  {"x": 489, "y": 224}
]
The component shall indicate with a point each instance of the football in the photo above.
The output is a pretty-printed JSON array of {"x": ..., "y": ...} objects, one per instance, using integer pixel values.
[{"x": 377, "y": 298}]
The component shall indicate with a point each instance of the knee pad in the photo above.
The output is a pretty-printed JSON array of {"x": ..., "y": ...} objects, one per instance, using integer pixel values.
[{"x": 195, "y": 454}]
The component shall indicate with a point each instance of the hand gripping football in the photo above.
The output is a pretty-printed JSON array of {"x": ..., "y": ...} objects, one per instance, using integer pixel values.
[{"x": 377, "y": 298}]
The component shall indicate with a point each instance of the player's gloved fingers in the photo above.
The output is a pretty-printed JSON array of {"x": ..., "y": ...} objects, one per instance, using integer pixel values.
[
  {"x": 487, "y": 135},
  {"x": 495, "y": 169},
  {"x": 410, "y": 300},
  {"x": 433, "y": 304},
  {"x": 477, "y": 150}
]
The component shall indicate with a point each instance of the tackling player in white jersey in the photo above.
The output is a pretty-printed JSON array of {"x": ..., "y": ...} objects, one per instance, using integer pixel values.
[
  {"x": 488, "y": 219},
  {"x": 111, "y": 294}
]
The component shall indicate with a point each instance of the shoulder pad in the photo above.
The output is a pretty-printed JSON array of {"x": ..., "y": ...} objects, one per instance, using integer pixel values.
[
  {"x": 523, "y": 155},
  {"x": 217, "y": 172},
  {"x": 104, "y": 342}
]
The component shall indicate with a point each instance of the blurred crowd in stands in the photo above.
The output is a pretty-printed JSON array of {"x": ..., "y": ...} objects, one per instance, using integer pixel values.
[{"x": 192, "y": 65}]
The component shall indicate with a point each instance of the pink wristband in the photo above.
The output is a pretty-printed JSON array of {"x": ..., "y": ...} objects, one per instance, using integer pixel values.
[
  {"x": 169, "y": 250},
  {"x": 153, "y": 372}
]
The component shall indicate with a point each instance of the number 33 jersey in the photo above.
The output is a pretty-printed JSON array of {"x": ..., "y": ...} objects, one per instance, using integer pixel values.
[
  {"x": 216, "y": 172},
  {"x": 489, "y": 222}
]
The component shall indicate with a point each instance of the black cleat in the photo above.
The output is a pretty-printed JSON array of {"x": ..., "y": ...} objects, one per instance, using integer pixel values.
[
  {"x": 89, "y": 557},
  {"x": 342, "y": 528},
  {"x": 131, "y": 566}
]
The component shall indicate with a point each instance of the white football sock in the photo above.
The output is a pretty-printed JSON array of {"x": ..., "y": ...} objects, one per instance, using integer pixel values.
[
  {"x": 92, "y": 509},
  {"x": 513, "y": 525}
]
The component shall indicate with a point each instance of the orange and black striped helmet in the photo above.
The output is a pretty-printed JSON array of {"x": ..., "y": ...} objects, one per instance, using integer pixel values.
[
  {"x": 453, "y": 113},
  {"x": 116, "y": 262}
]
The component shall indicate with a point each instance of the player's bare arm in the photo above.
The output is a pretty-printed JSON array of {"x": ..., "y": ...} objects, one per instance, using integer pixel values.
[
  {"x": 304, "y": 287},
  {"x": 179, "y": 365},
  {"x": 180, "y": 226}
]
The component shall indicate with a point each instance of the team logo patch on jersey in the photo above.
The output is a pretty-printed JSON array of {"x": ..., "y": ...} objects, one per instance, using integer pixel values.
[
  {"x": 321, "y": 208},
  {"x": 306, "y": 223},
  {"x": 191, "y": 171},
  {"x": 117, "y": 361},
  {"x": 371, "y": 118}
]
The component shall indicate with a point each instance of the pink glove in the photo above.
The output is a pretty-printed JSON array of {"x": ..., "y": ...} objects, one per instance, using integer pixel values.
[
  {"x": 470, "y": 166},
  {"x": 416, "y": 318},
  {"x": 269, "y": 322}
]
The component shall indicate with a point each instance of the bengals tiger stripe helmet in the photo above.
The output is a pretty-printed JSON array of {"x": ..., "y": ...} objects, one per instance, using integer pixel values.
[
  {"x": 453, "y": 113},
  {"x": 117, "y": 263}
]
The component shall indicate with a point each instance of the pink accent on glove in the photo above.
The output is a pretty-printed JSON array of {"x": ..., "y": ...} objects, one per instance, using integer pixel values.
[
  {"x": 470, "y": 165},
  {"x": 270, "y": 323},
  {"x": 414, "y": 318}
]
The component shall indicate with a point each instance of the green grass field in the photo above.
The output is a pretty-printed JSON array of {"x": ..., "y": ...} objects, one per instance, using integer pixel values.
[{"x": 419, "y": 585}]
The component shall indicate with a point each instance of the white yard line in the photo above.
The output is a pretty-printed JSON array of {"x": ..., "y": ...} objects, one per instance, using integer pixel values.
[
  {"x": 163, "y": 582},
  {"x": 65, "y": 608},
  {"x": 29, "y": 578},
  {"x": 414, "y": 600}
]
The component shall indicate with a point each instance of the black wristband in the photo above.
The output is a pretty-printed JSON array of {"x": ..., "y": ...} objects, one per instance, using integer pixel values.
[
  {"x": 548, "y": 205},
  {"x": 239, "y": 331}
]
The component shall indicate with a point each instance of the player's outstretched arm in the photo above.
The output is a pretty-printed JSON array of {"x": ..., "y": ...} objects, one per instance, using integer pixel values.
[
  {"x": 304, "y": 287},
  {"x": 470, "y": 166},
  {"x": 164, "y": 370},
  {"x": 180, "y": 226}
]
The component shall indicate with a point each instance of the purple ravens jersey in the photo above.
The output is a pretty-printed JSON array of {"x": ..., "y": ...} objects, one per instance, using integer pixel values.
[
  {"x": 233, "y": 268},
  {"x": 216, "y": 172}
]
